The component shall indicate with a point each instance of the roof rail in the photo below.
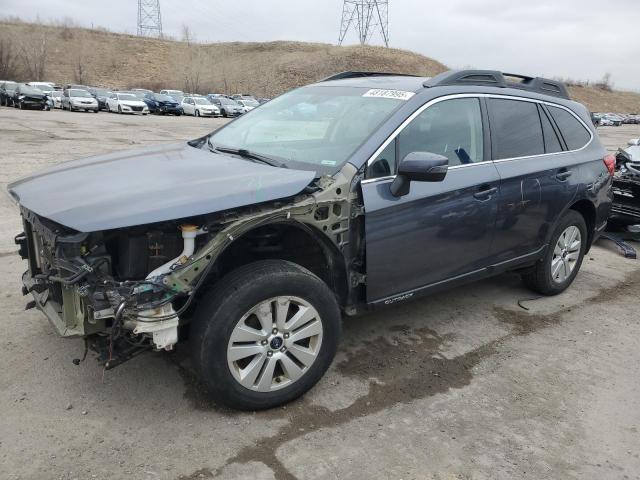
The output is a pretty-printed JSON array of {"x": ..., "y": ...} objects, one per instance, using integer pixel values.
[
  {"x": 343, "y": 75},
  {"x": 494, "y": 78}
]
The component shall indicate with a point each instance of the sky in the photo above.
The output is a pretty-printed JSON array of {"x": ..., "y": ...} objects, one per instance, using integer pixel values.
[{"x": 577, "y": 39}]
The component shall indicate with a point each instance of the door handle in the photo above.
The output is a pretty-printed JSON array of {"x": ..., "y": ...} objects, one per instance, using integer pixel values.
[
  {"x": 563, "y": 174},
  {"x": 485, "y": 192}
]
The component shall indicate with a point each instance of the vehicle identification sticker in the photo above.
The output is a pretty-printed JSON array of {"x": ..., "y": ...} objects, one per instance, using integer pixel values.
[{"x": 396, "y": 94}]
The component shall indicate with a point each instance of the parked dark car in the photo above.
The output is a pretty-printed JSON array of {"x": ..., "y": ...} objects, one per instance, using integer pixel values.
[
  {"x": 26, "y": 97},
  {"x": 354, "y": 193},
  {"x": 162, "y": 104},
  {"x": 101, "y": 95},
  {"x": 6, "y": 93},
  {"x": 626, "y": 186},
  {"x": 228, "y": 107}
]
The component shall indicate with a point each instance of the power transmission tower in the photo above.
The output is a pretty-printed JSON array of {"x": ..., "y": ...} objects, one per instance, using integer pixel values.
[
  {"x": 149, "y": 19},
  {"x": 367, "y": 17}
]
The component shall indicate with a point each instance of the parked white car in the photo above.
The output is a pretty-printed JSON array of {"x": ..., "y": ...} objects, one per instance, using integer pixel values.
[
  {"x": 56, "y": 98},
  {"x": 77, "y": 99},
  {"x": 248, "y": 105},
  {"x": 126, "y": 103},
  {"x": 199, "y": 107}
]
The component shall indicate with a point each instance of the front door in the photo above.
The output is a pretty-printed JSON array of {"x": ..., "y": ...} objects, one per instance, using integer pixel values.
[{"x": 440, "y": 231}]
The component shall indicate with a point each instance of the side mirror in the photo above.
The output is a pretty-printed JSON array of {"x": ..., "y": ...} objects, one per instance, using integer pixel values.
[
  {"x": 634, "y": 142},
  {"x": 419, "y": 167}
]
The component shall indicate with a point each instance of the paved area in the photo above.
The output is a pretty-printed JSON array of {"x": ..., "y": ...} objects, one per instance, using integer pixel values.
[{"x": 466, "y": 384}]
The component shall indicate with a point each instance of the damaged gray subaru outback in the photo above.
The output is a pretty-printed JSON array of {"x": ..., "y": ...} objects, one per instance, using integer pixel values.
[{"x": 363, "y": 190}]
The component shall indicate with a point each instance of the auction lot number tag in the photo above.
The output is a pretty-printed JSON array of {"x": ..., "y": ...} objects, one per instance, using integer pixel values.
[{"x": 396, "y": 94}]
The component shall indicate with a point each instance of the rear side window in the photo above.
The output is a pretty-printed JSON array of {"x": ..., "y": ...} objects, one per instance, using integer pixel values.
[
  {"x": 516, "y": 129},
  {"x": 551, "y": 141},
  {"x": 574, "y": 133}
]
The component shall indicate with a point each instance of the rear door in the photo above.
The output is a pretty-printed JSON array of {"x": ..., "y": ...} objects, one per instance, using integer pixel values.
[
  {"x": 440, "y": 231},
  {"x": 535, "y": 171}
]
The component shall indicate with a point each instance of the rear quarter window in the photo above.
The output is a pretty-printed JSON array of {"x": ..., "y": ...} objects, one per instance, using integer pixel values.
[{"x": 574, "y": 133}]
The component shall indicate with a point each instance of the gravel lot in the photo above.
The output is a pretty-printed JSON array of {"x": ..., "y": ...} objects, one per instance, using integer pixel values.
[{"x": 464, "y": 384}]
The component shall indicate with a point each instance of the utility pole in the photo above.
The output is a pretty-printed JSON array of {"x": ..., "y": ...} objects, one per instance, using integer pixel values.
[
  {"x": 149, "y": 18},
  {"x": 365, "y": 17}
]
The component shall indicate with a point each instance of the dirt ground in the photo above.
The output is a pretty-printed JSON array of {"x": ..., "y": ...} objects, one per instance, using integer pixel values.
[{"x": 462, "y": 385}]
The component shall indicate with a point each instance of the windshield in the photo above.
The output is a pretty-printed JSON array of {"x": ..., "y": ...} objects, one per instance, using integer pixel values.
[
  {"x": 127, "y": 96},
  {"x": 250, "y": 103},
  {"x": 101, "y": 92},
  {"x": 163, "y": 98},
  {"x": 31, "y": 91},
  {"x": 79, "y": 93},
  {"x": 312, "y": 128},
  {"x": 201, "y": 101},
  {"x": 227, "y": 101}
]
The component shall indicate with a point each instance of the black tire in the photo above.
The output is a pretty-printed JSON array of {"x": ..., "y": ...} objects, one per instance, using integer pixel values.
[
  {"x": 119, "y": 109},
  {"x": 224, "y": 113},
  {"x": 197, "y": 114},
  {"x": 539, "y": 277},
  {"x": 218, "y": 312}
]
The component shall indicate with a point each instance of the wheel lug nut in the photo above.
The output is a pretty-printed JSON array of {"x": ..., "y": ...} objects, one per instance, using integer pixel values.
[
  {"x": 274, "y": 331},
  {"x": 286, "y": 335},
  {"x": 283, "y": 349},
  {"x": 269, "y": 354},
  {"x": 263, "y": 342}
]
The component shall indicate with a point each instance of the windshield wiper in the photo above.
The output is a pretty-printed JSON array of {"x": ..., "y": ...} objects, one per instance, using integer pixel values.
[{"x": 244, "y": 153}]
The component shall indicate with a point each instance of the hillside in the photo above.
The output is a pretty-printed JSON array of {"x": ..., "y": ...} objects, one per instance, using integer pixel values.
[{"x": 98, "y": 57}]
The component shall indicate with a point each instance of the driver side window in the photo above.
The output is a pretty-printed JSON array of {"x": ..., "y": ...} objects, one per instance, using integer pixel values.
[{"x": 452, "y": 128}]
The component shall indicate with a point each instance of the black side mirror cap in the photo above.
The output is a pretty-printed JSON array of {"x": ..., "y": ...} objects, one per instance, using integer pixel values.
[{"x": 419, "y": 167}]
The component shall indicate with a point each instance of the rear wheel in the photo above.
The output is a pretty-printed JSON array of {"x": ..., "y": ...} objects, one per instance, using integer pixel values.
[
  {"x": 562, "y": 261},
  {"x": 119, "y": 109},
  {"x": 197, "y": 113},
  {"x": 265, "y": 335}
]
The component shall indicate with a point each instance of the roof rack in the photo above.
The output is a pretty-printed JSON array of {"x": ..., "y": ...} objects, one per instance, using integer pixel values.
[
  {"x": 343, "y": 75},
  {"x": 494, "y": 78}
]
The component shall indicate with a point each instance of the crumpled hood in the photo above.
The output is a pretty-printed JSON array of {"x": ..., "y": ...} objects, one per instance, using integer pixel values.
[{"x": 151, "y": 184}]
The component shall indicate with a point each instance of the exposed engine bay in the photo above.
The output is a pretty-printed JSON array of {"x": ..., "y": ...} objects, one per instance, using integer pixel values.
[{"x": 131, "y": 289}]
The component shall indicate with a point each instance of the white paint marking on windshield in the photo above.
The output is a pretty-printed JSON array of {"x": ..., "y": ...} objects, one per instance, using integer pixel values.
[{"x": 396, "y": 94}]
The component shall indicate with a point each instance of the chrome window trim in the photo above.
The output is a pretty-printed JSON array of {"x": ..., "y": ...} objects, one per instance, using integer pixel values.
[{"x": 431, "y": 102}]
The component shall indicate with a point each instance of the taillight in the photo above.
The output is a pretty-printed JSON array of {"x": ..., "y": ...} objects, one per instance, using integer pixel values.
[{"x": 610, "y": 163}]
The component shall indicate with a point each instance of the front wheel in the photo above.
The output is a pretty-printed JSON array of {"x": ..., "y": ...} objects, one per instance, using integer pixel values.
[
  {"x": 561, "y": 263},
  {"x": 265, "y": 335},
  {"x": 197, "y": 113}
]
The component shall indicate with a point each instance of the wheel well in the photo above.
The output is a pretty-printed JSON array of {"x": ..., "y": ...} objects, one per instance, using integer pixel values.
[
  {"x": 297, "y": 243},
  {"x": 588, "y": 212}
]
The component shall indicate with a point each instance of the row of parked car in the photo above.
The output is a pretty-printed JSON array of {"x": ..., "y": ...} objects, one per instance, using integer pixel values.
[
  {"x": 615, "y": 119},
  {"x": 46, "y": 95}
]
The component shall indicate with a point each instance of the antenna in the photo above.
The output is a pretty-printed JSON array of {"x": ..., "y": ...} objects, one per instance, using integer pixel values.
[
  {"x": 149, "y": 19},
  {"x": 365, "y": 16}
]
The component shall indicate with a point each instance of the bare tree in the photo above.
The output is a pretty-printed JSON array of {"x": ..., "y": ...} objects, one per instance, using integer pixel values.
[
  {"x": 34, "y": 57},
  {"x": 79, "y": 71},
  {"x": 605, "y": 83},
  {"x": 8, "y": 60},
  {"x": 187, "y": 35}
]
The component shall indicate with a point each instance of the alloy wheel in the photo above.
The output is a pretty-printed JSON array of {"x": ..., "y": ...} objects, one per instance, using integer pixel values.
[
  {"x": 566, "y": 254},
  {"x": 275, "y": 343}
]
